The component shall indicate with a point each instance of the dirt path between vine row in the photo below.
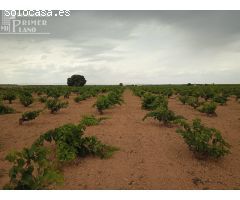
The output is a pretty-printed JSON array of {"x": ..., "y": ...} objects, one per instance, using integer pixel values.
[{"x": 152, "y": 156}]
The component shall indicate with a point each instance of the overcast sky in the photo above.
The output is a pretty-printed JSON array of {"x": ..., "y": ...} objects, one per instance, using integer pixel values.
[{"x": 141, "y": 47}]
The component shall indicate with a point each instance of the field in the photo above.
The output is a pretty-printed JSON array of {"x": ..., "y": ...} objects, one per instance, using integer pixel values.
[{"x": 134, "y": 153}]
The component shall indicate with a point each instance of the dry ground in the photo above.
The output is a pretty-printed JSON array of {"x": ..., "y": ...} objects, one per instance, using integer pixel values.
[{"x": 151, "y": 156}]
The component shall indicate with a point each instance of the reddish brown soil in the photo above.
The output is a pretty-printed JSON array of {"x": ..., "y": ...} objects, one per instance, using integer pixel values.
[{"x": 151, "y": 156}]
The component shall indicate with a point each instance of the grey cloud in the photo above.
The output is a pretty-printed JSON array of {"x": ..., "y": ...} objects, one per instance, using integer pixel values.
[{"x": 127, "y": 46}]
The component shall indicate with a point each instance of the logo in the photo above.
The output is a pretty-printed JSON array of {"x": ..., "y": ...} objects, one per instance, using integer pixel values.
[{"x": 27, "y": 21}]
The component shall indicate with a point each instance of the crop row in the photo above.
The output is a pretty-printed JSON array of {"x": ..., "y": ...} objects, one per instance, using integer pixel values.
[
  {"x": 34, "y": 167},
  {"x": 203, "y": 141}
]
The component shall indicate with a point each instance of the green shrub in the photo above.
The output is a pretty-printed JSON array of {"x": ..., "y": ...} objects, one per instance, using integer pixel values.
[
  {"x": 148, "y": 101},
  {"x": 32, "y": 170},
  {"x": 66, "y": 138},
  {"x": 209, "y": 108},
  {"x": 161, "y": 101},
  {"x": 43, "y": 99},
  {"x": 208, "y": 93},
  {"x": 222, "y": 100},
  {"x": 80, "y": 98},
  {"x": 102, "y": 103},
  {"x": 6, "y": 110},
  {"x": 183, "y": 99},
  {"x": 28, "y": 116},
  {"x": 193, "y": 102},
  {"x": 54, "y": 93},
  {"x": 167, "y": 92},
  {"x": 70, "y": 143},
  {"x": 106, "y": 101},
  {"x": 55, "y": 105},
  {"x": 92, "y": 146},
  {"x": 10, "y": 96},
  {"x": 138, "y": 92},
  {"x": 114, "y": 97},
  {"x": 151, "y": 102},
  {"x": 204, "y": 141},
  {"x": 67, "y": 94},
  {"x": 162, "y": 114},
  {"x": 90, "y": 93},
  {"x": 25, "y": 93},
  {"x": 26, "y": 100},
  {"x": 90, "y": 120}
]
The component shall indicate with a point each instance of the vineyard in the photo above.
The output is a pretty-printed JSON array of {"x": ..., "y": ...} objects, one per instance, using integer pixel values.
[{"x": 120, "y": 137}]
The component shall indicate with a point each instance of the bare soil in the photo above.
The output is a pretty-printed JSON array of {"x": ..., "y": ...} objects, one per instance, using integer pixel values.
[{"x": 151, "y": 156}]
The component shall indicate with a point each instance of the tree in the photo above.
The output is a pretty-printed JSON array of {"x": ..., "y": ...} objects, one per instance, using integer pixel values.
[{"x": 76, "y": 80}]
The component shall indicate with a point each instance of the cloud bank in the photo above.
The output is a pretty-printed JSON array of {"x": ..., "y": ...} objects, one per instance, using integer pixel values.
[{"x": 133, "y": 47}]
